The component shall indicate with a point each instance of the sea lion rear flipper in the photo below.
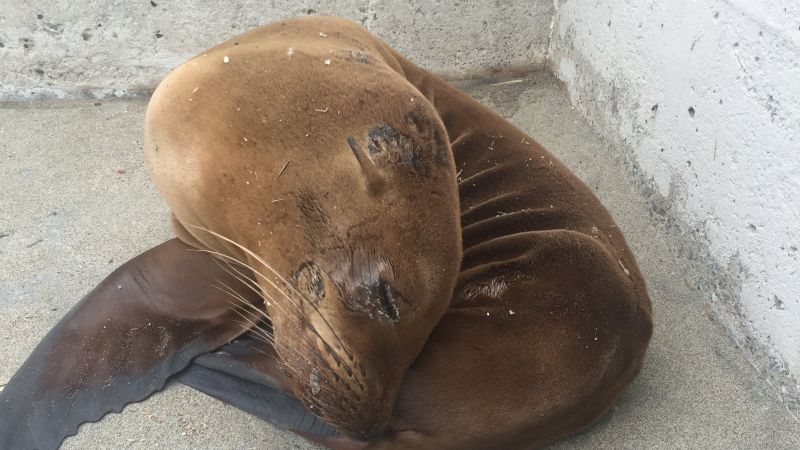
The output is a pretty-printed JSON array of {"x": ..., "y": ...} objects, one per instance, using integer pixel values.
[
  {"x": 144, "y": 323},
  {"x": 246, "y": 374}
]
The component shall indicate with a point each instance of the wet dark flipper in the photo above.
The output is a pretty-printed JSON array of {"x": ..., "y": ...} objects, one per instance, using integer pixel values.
[
  {"x": 122, "y": 342},
  {"x": 247, "y": 375}
]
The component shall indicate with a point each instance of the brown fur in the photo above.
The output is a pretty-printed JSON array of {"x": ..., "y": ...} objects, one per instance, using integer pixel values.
[{"x": 549, "y": 320}]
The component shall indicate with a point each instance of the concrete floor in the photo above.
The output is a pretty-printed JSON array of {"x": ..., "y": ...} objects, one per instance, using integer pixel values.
[{"x": 75, "y": 202}]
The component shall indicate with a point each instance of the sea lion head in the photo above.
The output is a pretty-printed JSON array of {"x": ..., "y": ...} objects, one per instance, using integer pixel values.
[
  {"x": 330, "y": 178},
  {"x": 375, "y": 274}
]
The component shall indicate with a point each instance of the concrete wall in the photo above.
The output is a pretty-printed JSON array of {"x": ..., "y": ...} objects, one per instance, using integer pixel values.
[
  {"x": 703, "y": 99},
  {"x": 68, "y": 48}
]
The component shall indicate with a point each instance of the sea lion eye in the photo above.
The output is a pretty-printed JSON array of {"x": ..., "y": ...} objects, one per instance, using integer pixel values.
[{"x": 308, "y": 280}]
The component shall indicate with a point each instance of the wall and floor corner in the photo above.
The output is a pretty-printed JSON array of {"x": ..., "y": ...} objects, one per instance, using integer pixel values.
[{"x": 703, "y": 101}]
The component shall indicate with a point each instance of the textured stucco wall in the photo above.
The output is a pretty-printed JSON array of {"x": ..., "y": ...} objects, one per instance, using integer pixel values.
[
  {"x": 67, "y": 48},
  {"x": 705, "y": 99}
]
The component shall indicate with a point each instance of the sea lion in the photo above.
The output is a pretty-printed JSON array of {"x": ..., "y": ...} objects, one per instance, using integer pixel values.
[
  {"x": 343, "y": 185},
  {"x": 412, "y": 271}
]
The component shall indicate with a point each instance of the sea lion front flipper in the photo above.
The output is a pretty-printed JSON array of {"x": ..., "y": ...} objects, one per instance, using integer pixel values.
[
  {"x": 247, "y": 374},
  {"x": 144, "y": 323}
]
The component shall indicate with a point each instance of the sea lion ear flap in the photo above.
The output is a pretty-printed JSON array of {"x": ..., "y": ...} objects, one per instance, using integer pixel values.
[
  {"x": 144, "y": 323},
  {"x": 373, "y": 175}
]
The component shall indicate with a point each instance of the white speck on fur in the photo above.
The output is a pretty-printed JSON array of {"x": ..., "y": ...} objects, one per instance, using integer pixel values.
[
  {"x": 493, "y": 288},
  {"x": 624, "y": 269},
  {"x": 226, "y": 60},
  {"x": 314, "y": 381},
  {"x": 290, "y": 52}
]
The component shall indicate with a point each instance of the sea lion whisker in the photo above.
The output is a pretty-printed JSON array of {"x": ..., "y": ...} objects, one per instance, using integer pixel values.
[
  {"x": 250, "y": 313},
  {"x": 227, "y": 289},
  {"x": 265, "y": 335},
  {"x": 255, "y": 327},
  {"x": 242, "y": 278},
  {"x": 308, "y": 346},
  {"x": 268, "y": 338},
  {"x": 280, "y": 277},
  {"x": 254, "y": 255},
  {"x": 255, "y": 287},
  {"x": 284, "y": 363},
  {"x": 294, "y": 370},
  {"x": 265, "y": 339},
  {"x": 241, "y": 299},
  {"x": 256, "y": 335},
  {"x": 321, "y": 411},
  {"x": 279, "y": 306},
  {"x": 307, "y": 301}
]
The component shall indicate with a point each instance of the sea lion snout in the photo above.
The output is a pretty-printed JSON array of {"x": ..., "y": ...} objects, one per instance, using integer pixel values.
[{"x": 350, "y": 346}]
